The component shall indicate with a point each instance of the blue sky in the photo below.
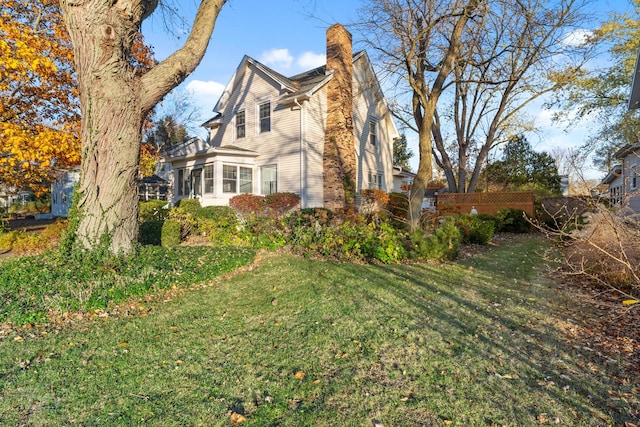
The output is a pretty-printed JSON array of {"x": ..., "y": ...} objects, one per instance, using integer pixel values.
[{"x": 289, "y": 36}]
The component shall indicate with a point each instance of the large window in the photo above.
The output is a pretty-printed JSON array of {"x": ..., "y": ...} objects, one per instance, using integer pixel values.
[
  {"x": 232, "y": 174},
  {"x": 208, "y": 179},
  {"x": 373, "y": 132},
  {"x": 634, "y": 177},
  {"x": 196, "y": 182},
  {"x": 264, "y": 111},
  {"x": 182, "y": 182},
  {"x": 246, "y": 180},
  {"x": 268, "y": 179},
  {"x": 229, "y": 178},
  {"x": 240, "y": 124}
]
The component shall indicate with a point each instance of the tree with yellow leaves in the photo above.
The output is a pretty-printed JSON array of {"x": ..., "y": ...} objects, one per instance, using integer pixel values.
[
  {"x": 602, "y": 92},
  {"x": 39, "y": 114}
]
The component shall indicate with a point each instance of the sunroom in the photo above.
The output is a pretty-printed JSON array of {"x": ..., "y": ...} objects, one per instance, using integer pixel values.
[{"x": 215, "y": 175}]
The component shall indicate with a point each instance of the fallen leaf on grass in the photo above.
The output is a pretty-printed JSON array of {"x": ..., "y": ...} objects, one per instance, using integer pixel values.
[
  {"x": 299, "y": 375},
  {"x": 237, "y": 418}
]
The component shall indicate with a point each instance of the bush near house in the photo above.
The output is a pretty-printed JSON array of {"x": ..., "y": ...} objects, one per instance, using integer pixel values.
[
  {"x": 513, "y": 221},
  {"x": 475, "y": 230},
  {"x": 153, "y": 210}
]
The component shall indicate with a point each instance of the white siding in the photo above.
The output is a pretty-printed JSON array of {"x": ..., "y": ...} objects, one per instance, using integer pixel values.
[
  {"x": 315, "y": 122},
  {"x": 369, "y": 105},
  {"x": 281, "y": 145}
]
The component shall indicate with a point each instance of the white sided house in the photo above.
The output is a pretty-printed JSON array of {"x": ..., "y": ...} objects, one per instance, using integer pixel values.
[
  {"x": 270, "y": 133},
  {"x": 624, "y": 179}
]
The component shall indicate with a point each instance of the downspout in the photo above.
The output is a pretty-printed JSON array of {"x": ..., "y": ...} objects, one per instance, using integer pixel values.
[{"x": 302, "y": 188}]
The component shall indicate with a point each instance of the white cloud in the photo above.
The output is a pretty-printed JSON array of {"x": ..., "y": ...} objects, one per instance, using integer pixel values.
[
  {"x": 577, "y": 37},
  {"x": 205, "y": 94},
  {"x": 310, "y": 60},
  {"x": 277, "y": 58}
]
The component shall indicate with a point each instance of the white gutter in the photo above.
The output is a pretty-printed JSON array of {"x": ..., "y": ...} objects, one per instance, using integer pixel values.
[{"x": 302, "y": 189}]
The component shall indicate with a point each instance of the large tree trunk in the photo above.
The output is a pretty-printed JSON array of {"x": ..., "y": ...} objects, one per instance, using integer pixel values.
[{"x": 114, "y": 100}]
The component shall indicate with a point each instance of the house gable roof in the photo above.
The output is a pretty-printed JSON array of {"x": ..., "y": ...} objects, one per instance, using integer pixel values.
[
  {"x": 626, "y": 150},
  {"x": 616, "y": 172},
  {"x": 297, "y": 87}
]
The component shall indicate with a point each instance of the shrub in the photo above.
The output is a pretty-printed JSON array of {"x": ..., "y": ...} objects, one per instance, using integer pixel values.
[
  {"x": 171, "y": 233},
  {"x": 221, "y": 214},
  {"x": 246, "y": 204},
  {"x": 474, "y": 229},
  {"x": 309, "y": 217},
  {"x": 6, "y": 241},
  {"x": 153, "y": 210},
  {"x": 398, "y": 208},
  {"x": 442, "y": 244},
  {"x": 151, "y": 232},
  {"x": 344, "y": 239},
  {"x": 190, "y": 206},
  {"x": 281, "y": 203},
  {"x": 4, "y": 226},
  {"x": 187, "y": 221},
  {"x": 265, "y": 232},
  {"x": 513, "y": 221}
]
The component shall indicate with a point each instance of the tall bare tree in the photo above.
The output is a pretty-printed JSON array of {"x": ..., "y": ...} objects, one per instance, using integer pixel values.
[
  {"x": 518, "y": 53},
  {"x": 115, "y": 98},
  {"x": 420, "y": 41}
]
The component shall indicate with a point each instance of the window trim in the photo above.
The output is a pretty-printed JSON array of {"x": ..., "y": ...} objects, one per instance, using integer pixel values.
[
  {"x": 208, "y": 179},
  {"x": 262, "y": 181},
  {"x": 242, "y": 125},
  {"x": 237, "y": 180},
  {"x": 260, "y": 106},
  {"x": 372, "y": 137}
]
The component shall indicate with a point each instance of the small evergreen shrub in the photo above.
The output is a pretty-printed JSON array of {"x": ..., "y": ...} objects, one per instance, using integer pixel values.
[
  {"x": 223, "y": 215},
  {"x": 474, "y": 229},
  {"x": 442, "y": 244},
  {"x": 153, "y": 210},
  {"x": 187, "y": 221},
  {"x": 513, "y": 221},
  {"x": 171, "y": 233},
  {"x": 151, "y": 232},
  {"x": 190, "y": 206}
]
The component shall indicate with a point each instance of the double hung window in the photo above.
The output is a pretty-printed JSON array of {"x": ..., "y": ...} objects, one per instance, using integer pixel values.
[
  {"x": 236, "y": 178},
  {"x": 264, "y": 113},
  {"x": 241, "y": 123}
]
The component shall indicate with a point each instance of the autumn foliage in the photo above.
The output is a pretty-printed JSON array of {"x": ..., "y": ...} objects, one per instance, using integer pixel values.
[
  {"x": 39, "y": 107},
  {"x": 39, "y": 115}
]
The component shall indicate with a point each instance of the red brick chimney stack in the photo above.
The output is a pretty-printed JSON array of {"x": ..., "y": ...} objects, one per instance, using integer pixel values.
[{"x": 339, "y": 160}]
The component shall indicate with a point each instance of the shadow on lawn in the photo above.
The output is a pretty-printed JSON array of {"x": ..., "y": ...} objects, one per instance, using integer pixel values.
[{"x": 512, "y": 324}]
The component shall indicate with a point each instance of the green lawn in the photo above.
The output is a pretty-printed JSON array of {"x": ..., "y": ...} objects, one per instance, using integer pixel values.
[{"x": 297, "y": 342}]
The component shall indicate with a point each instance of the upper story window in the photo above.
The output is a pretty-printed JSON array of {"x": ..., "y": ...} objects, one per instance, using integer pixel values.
[
  {"x": 241, "y": 124},
  {"x": 264, "y": 112},
  {"x": 373, "y": 132}
]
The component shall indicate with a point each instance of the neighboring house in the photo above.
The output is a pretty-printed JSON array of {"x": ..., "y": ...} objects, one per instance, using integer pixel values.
[
  {"x": 402, "y": 180},
  {"x": 623, "y": 182},
  {"x": 270, "y": 133}
]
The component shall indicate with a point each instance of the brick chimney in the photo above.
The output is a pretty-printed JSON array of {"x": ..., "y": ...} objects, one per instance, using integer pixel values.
[{"x": 339, "y": 158}]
